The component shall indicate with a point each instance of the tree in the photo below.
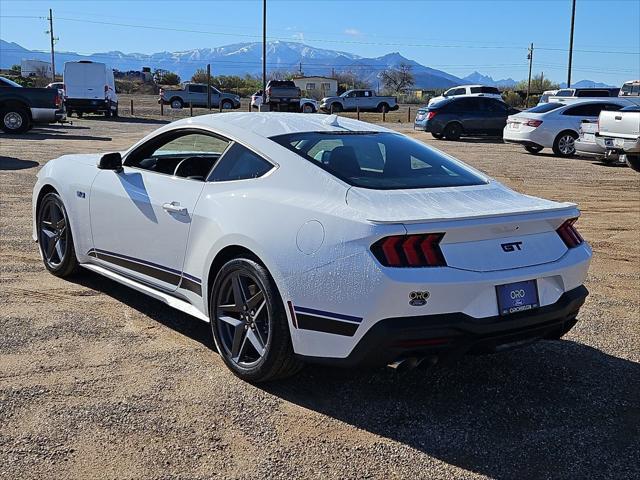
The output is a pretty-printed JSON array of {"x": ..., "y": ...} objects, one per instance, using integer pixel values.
[
  {"x": 398, "y": 80},
  {"x": 349, "y": 79},
  {"x": 538, "y": 84},
  {"x": 164, "y": 77},
  {"x": 200, "y": 76}
]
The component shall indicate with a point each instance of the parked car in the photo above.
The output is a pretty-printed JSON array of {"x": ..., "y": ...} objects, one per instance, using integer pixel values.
[
  {"x": 630, "y": 89},
  {"x": 587, "y": 92},
  {"x": 365, "y": 100},
  {"x": 195, "y": 94},
  {"x": 307, "y": 105},
  {"x": 21, "y": 108},
  {"x": 360, "y": 246},
  {"x": 283, "y": 96},
  {"x": 468, "y": 91},
  {"x": 544, "y": 98},
  {"x": 555, "y": 125},
  {"x": 619, "y": 132},
  {"x": 586, "y": 145},
  {"x": 454, "y": 117},
  {"x": 90, "y": 88}
]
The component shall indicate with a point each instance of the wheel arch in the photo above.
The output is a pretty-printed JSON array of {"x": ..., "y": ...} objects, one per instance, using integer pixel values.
[{"x": 566, "y": 130}]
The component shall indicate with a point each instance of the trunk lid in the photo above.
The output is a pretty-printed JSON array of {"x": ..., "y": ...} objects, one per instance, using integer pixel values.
[{"x": 487, "y": 227}]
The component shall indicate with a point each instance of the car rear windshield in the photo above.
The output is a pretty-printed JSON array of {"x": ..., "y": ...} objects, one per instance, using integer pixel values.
[
  {"x": 546, "y": 107},
  {"x": 379, "y": 160}
]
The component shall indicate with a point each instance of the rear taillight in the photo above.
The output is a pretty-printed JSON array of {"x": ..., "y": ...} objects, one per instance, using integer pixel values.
[
  {"x": 268, "y": 91},
  {"x": 431, "y": 114},
  {"x": 532, "y": 123},
  {"x": 161, "y": 92},
  {"x": 569, "y": 234},
  {"x": 58, "y": 100},
  {"x": 410, "y": 251}
]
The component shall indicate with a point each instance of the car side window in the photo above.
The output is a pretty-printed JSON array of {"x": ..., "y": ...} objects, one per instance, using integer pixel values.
[
  {"x": 197, "y": 89},
  {"x": 239, "y": 163},
  {"x": 588, "y": 110},
  {"x": 495, "y": 107},
  {"x": 166, "y": 153}
]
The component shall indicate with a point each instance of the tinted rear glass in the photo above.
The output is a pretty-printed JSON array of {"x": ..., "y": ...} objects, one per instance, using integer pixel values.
[
  {"x": 379, "y": 160},
  {"x": 545, "y": 107},
  {"x": 631, "y": 108},
  {"x": 492, "y": 90}
]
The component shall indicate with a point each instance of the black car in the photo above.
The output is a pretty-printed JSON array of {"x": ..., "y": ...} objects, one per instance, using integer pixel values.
[{"x": 452, "y": 118}]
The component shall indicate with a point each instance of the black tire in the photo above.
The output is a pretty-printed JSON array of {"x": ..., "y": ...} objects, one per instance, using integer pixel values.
[
  {"x": 176, "y": 102},
  {"x": 69, "y": 113},
  {"x": 383, "y": 108},
  {"x": 633, "y": 160},
  {"x": 335, "y": 107},
  {"x": 55, "y": 239},
  {"x": 79, "y": 114},
  {"x": 533, "y": 149},
  {"x": 107, "y": 113},
  {"x": 307, "y": 108},
  {"x": 277, "y": 359},
  {"x": 227, "y": 105},
  {"x": 453, "y": 131},
  {"x": 14, "y": 119},
  {"x": 115, "y": 113},
  {"x": 563, "y": 146},
  {"x": 437, "y": 136}
]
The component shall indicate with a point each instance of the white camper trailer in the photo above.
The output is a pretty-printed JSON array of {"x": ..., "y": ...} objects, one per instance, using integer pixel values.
[{"x": 35, "y": 68}]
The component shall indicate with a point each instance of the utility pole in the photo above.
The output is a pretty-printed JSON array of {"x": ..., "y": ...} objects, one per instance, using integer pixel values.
[
  {"x": 530, "y": 58},
  {"x": 53, "y": 58},
  {"x": 573, "y": 18},
  {"x": 209, "y": 86},
  {"x": 300, "y": 68},
  {"x": 263, "y": 106}
]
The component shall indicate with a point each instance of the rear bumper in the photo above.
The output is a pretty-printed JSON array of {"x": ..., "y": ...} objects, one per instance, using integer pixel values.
[
  {"x": 86, "y": 105},
  {"x": 589, "y": 149},
  {"x": 620, "y": 145},
  {"x": 448, "y": 336},
  {"x": 47, "y": 115}
]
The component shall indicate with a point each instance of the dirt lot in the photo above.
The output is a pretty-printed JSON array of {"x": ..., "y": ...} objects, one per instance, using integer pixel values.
[{"x": 97, "y": 381}]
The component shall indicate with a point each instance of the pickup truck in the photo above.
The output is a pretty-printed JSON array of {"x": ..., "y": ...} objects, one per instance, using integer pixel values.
[
  {"x": 619, "y": 132},
  {"x": 21, "y": 108},
  {"x": 352, "y": 100},
  {"x": 283, "y": 95},
  {"x": 196, "y": 95},
  {"x": 307, "y": 105}
]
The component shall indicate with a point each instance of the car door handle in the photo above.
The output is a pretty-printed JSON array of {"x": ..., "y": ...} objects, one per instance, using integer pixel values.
[
  {"x": 174, "y": 207},
  {"x": 618, "y": 117}
]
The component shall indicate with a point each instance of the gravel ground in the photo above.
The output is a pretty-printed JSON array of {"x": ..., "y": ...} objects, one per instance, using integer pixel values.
[{"x": 97, "y": 381}]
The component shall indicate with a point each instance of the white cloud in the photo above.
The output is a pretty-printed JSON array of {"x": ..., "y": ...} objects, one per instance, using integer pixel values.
[{"x": 354, "y": 32}]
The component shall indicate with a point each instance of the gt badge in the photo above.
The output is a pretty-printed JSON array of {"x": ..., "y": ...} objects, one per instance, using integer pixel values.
[{"x": 418, "y": 299}]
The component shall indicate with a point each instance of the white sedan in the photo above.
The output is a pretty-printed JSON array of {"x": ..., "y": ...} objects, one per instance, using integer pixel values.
[
  {"x": 315, "y": 238},
  {"x": 555, "y": 125}
]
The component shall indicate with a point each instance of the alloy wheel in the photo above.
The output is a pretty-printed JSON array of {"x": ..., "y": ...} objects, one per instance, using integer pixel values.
[
  {"x": 13, "y": 120},
  {"x": 242, "y": 319},
  {"x": 53, "y": 233},
  {"x": 566, "y": 145}
]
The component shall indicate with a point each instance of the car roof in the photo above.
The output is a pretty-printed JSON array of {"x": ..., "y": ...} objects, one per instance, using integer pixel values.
[{"x": 270, "y": 124}]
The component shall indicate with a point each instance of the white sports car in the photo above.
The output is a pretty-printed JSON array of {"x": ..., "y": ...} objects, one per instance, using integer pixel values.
[{"x": 315, "y": 238}]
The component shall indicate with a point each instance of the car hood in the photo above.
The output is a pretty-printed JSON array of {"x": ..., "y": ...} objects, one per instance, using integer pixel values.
[
  {"x": 326, "y": 99},
  {"x": 449, "y": 203}
]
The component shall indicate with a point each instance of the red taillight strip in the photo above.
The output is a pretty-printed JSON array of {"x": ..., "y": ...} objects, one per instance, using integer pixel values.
[
  {"x": 569, "y": 234},
  {"x": 410, "y": 250},
  {"x": 390, "y": 252}
]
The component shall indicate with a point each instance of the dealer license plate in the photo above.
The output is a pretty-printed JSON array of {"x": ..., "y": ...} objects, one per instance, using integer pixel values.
[{"x": 517, "y": 297}]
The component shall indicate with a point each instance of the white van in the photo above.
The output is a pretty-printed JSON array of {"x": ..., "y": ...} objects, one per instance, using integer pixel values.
[{"x": 90, "y": 88}]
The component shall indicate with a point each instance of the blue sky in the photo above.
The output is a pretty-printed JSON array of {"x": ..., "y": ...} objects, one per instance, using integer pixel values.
[{"x": 456, "y": 36}]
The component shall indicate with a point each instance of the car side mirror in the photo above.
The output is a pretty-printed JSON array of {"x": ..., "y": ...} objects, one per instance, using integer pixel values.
[{"x": 111, "y": 161}]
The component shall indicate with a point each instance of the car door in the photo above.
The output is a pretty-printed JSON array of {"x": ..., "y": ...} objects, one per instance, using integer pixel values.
[
  {"x": 215, "y": 97},
  {"x": 587, "y": 111},
  {"x": 141, "y": 216},
  {"x": 495, "y": 114},
  {"x": 197, "y": 95},
  {"x": 470, "y": 113},
  {"x": 350, "y": 101}
]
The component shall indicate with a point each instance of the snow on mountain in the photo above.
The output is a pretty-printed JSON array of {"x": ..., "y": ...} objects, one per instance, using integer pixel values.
[{"x": 478, "y": 78}]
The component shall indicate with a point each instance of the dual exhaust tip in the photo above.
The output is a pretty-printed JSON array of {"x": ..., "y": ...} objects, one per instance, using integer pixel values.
[{"x": 411, "y": 363}]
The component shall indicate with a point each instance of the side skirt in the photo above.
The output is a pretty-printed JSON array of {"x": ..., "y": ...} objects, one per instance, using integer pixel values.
[{"x": 170, "y": 300}]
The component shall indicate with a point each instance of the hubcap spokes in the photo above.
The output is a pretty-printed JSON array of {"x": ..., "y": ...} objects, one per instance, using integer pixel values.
[
  {"x": 13, "y": 120},
  {"x": 242, "y": 319},
  {"x": 53, "y": 234},
  {"x": 567, "y": 144}
]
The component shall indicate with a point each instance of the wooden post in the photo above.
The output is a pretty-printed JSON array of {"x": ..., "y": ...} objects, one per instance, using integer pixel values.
[
  {"x": 209, "y": 86},
  {"x": 358, "y": 112},
  {"x": 190, "y": 109},
  {"x": 331, "y": 109},
  {"x": 384, "y": 115},
  {"x": 220, "y": 105},
  {"x": 132, "y": 107},
  {"x": 161, "y": 108},
  {"x": 409, "y": 115},
  {"x": 249, "y": 107}
]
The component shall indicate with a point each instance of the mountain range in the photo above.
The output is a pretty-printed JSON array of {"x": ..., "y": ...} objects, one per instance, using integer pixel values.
[{"x": 243, "y": 58}]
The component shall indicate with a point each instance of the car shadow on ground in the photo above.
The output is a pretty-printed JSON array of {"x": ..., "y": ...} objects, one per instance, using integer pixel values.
[
  {"x": 55, "y": 133},
  {"x": 13, "y": 163},
  {"x": 555, "y": 409},
  {"x": 487, "y": 139},
  {"x": 123, "y": 119},
  {"x": 154, "y": 309}
]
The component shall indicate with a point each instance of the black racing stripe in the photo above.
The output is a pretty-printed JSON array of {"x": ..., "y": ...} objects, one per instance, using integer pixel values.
[
  {"x": 192, "y": 286},
  {"x": 148, "y": 270},
  {"x": 326, "y": 325}
]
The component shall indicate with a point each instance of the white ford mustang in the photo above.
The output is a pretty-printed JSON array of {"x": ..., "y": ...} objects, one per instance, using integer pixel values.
[{"x": 316, "y": 238}]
